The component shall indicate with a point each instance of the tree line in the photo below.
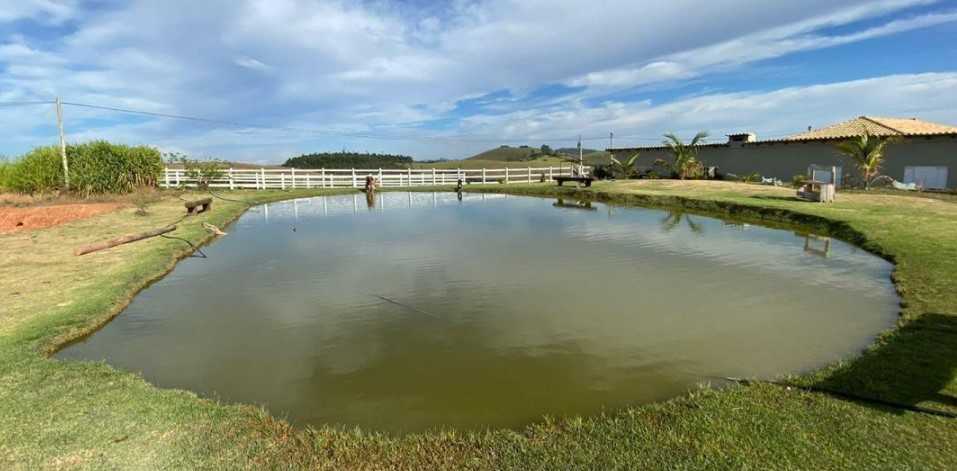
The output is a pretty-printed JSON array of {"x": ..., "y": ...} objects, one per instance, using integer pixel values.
[{"x": 349, "y": 160}]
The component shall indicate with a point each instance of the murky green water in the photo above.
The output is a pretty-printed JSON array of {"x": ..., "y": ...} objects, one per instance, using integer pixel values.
[{"x": 426, "y": 311}]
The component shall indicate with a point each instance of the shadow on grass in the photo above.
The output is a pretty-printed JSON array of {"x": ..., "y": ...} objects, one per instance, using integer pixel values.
[
  {"x": 778, "y": 198},
  {"x": 915, "y": 366}
]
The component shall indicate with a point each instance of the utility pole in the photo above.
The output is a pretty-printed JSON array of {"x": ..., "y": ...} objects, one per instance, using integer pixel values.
[
  {"x": 581, "y": 156},
  {"x": 59, "y": 125}
]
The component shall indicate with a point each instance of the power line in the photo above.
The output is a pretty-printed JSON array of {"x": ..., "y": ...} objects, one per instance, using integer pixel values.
[
  {"x": 438, "y": 137},
  {"x": 357, "y": 135},
  {"x": 25, "y": 103}
]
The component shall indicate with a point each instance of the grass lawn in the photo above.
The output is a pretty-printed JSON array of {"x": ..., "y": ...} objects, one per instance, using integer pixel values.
[{"x": 60, "y": 414}]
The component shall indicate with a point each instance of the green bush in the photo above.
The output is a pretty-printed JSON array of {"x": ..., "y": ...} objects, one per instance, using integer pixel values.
[
  {"x": 95, "y": 167},
  {"x": 799, "y": 180},
  {"x": 37, "y": 171},
  {"x": 6, "y": 172},
  {"x": 202, "y": 171}
]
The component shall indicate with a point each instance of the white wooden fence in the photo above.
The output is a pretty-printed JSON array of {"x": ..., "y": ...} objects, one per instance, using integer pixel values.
[{"x": 283, "y": 178}]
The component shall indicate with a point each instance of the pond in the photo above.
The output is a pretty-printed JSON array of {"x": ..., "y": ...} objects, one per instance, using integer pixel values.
[{"x": 419, "y": 311}]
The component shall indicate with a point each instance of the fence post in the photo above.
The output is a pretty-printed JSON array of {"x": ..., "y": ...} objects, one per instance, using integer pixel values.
[
  {"x": 381, "y": 183},
  {"x": 354, "y": 182},
  {"x": 309, "y": 181},
  {"x": 262, "y": 177},
  {"x": 550, "y": 168},
  {"x": 166, "y": 174},
  {"x": 483, "y": 175},
  {"x": 433, "y": 176},
  {"x": 322, "y": 178},
  {"x": 294, "y": 178},
  {"x": 232, "y": 183},
  {"x": 529, "y": 174},
  {"x": 282, "y": 180},
  {"x": 506, "y": 173},
  {"x": 177, "y": 178}
]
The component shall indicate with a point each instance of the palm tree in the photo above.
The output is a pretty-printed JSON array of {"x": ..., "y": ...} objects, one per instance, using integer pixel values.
[
  {"x": 686, "y": 155},
  {"x": 625, "y": 170},
  {"x": 867, "y": 152}
]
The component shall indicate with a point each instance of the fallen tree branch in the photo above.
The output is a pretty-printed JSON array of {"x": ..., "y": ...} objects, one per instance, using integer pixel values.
[{"x": 122, "y": 240}]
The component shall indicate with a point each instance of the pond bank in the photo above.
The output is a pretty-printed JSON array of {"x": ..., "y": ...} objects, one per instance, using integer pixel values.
[{"x": 62, "y": 414}]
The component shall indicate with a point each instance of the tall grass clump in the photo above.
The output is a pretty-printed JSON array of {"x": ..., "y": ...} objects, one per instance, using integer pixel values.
[
  {"x": 96, "y": 167},
  {"x": 6, "y": 170}
]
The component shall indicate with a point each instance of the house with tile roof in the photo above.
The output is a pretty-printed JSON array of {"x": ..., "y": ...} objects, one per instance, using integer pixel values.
[{"x": 922, "y": 152}]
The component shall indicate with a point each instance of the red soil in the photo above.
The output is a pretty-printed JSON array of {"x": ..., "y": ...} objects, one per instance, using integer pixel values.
[{"x": 14, "y": 219}]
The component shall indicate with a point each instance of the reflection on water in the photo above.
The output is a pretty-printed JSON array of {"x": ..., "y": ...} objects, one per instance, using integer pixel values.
[
  {"x": 674, "y": 218},
  {"x": 817, "y": 245},
  {"x": 577, "y": 204},
  {"x": 421, "y": 311}
]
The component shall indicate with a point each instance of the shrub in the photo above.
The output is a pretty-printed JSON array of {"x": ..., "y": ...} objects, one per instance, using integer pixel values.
[
  {"x": 38, "y": 171},
  {"x": 754, "y": 177},
  {"x": 660, "y": 168},
  {"x": 799, "y": 180},
  {"x": 6, "y": 172},
  {"x": 202, "y": 171},
  {"x": 602, "y": 172},
  {"x": 95, "y": 167}
]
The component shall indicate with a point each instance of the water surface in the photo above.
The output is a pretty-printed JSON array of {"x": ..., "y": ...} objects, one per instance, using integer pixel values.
[{"x": 418, "y": 310}]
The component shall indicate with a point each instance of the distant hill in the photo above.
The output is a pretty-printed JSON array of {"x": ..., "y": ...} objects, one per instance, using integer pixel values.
[
  {"x": 508, "y": 154},
  {"x": 349, "y": 160},
  {"x": 550, "y": 161}
]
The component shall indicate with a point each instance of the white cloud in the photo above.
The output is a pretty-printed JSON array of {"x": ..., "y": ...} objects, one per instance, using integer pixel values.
[
  {"x": 379, "y": 67},
  {"x": 48, "y": 11},
  {"x": 768, "y": 44},
  {"x": 250, "y": 63}
]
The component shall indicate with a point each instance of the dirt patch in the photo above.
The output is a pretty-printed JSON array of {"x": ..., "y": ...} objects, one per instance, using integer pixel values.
[{"x": 13, "y": 219}]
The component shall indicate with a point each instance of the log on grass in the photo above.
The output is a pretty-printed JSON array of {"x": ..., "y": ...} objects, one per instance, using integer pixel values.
[
  {"x": 198, "y": 206},
  {"x": 122, "y": 240}
]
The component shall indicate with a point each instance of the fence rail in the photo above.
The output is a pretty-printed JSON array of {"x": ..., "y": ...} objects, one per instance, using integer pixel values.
[{"x": 288, "y": 178}]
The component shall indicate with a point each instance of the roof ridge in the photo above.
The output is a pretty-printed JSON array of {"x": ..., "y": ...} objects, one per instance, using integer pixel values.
[{"x": 875, "y": 121}]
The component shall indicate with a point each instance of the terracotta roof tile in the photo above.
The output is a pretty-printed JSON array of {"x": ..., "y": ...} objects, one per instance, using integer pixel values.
[{"x": 875, "y": 126}]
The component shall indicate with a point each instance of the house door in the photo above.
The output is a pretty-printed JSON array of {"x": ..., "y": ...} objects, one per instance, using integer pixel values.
[{"x": 926, "y": 177}]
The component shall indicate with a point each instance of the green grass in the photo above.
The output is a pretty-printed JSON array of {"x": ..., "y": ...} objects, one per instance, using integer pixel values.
[{"x": 59, "y": 414}]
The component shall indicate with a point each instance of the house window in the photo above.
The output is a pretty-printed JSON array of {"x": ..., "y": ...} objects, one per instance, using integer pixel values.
[{"x": 926, "y": 177}]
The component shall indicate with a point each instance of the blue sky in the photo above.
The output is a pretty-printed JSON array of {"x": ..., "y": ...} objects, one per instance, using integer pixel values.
[{"x": 448, "y": 79}]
